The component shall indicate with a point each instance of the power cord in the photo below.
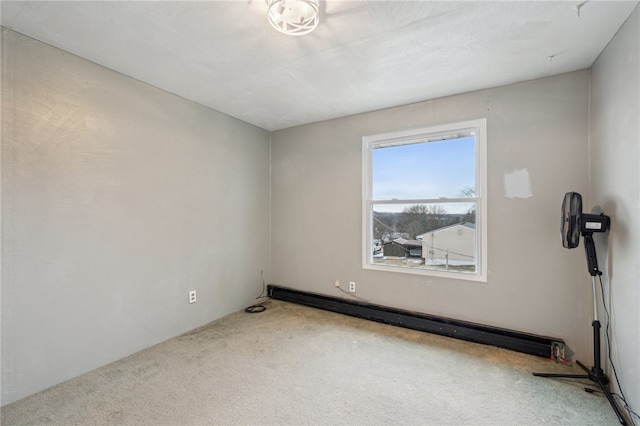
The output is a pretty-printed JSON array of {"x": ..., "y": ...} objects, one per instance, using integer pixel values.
[
  {"x": 621, "y": 396},
  {"x": 259, "y": 307}
]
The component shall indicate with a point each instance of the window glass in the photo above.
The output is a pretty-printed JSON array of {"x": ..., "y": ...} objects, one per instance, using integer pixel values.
[
  {"x": 423, "y": 209},
  {"x": 424, "y": 169}
]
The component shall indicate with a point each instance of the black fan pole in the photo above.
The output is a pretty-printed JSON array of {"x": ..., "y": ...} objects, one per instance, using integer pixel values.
[
  {"x": 592, "y": 259},
  {"x": 596, "y": 374}
]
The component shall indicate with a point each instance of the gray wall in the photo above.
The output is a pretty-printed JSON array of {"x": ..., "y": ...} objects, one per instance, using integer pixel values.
[
  {"x": 117, "y": 199},
  {"x": 534, "y": 285},
  {"x": 615, "y": 188}
]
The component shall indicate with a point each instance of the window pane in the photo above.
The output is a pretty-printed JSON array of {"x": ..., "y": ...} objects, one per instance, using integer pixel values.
[
  {"x": 438, "y": 236},
  {"x": 427, "y": 170},
  {"x": 423, "y": 204}
]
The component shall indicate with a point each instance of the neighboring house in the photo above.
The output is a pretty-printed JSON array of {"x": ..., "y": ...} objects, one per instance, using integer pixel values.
[
  {"x": 401, "y": 247},
  {"x": 450, "y": 245},
  {"x": 387, "y": 237},
  {"x": 377, "y": 246}
]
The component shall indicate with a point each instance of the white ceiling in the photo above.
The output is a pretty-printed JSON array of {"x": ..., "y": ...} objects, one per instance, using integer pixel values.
[{"x": 364, "y": 55}]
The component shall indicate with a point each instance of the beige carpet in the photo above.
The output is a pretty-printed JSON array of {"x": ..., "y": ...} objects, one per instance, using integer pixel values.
[{"x": 297, "y": 365}]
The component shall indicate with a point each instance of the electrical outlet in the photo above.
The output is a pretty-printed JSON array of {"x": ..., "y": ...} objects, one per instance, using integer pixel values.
[
  {"x": 192, "y": 296},
  {"x": 337, "y": 283},
  {"x": 352, "y": 286}
]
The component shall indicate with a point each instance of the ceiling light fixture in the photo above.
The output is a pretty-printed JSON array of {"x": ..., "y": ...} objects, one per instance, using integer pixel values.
[{"x": 293, "y": 17}]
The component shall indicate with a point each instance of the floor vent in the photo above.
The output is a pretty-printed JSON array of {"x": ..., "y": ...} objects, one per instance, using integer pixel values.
[{"x": 521, "y": 342}]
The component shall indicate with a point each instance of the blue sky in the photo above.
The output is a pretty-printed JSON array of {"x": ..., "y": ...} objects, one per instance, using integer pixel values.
[{"x": 424, "y": 170}]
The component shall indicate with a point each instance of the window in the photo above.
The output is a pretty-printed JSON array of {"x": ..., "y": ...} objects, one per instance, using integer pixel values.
[{"x": 424, "y": 206}]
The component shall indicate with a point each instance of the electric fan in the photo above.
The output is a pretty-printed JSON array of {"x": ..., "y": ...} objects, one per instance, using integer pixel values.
[
  {"x": 571, "y": 212},
  {"x": 574, "y": 224}
]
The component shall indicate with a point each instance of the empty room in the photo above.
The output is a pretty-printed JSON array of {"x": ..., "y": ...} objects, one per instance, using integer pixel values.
[{"x": 320, "y": 212}]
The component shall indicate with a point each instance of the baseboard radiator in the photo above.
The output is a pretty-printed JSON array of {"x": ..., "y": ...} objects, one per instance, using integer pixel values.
[{"x": 546, "y": 347}]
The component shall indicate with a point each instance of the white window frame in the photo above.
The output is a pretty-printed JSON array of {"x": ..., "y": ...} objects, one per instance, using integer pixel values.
[{"x": 432, "y": 133}]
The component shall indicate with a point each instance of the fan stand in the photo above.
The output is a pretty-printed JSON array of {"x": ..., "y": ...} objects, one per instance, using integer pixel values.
[{"x": 596, "y": 374}]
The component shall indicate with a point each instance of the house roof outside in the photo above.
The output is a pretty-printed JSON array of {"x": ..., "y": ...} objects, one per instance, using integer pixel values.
[
  {"x": 407, "y": 243},
  {"x": 468, "y": 225}
]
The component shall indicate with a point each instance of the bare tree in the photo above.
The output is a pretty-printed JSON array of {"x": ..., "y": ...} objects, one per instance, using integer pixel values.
[
  {"x": 470, "y": 215},
  {"x": 417, "y": 209},
  {"x": 467, "y": 192},
  {"x": 421, "y": 218}
]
